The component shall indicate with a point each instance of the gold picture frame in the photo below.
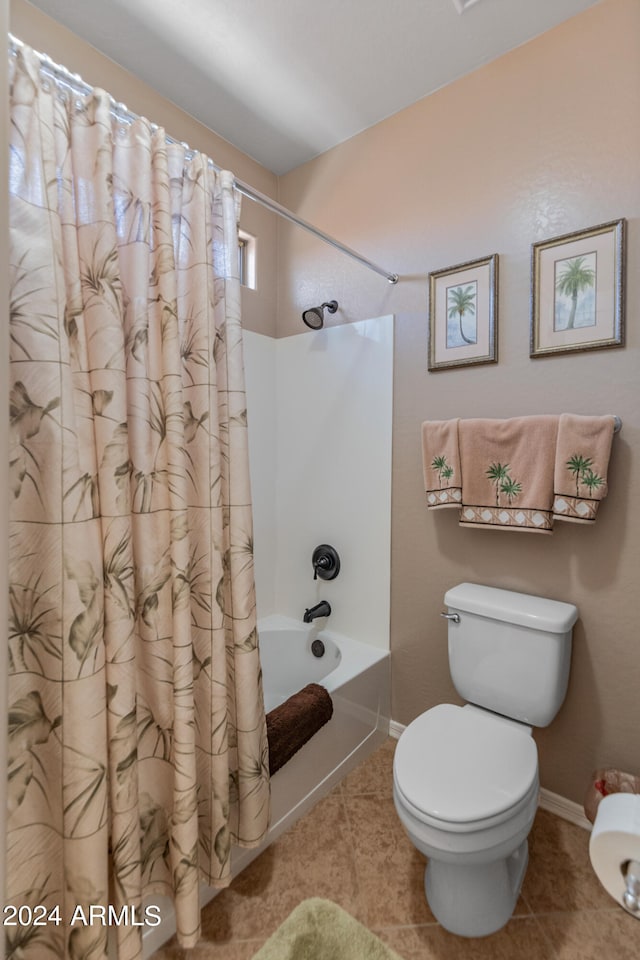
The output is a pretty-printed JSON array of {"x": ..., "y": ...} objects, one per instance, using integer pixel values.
[
  {"x": 577, "y": 291},
  {"x": 463, "y": 314}
]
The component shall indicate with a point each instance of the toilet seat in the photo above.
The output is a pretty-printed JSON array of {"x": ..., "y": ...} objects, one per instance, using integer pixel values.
[{"x": 460, "y": 770}]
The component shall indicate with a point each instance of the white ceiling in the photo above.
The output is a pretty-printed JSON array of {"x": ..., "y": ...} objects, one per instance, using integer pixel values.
[{"x": 285, "y": 80}]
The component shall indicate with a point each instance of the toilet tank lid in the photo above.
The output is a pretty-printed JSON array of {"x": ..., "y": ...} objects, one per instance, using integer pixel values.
[{"x": 538, "y": 613}]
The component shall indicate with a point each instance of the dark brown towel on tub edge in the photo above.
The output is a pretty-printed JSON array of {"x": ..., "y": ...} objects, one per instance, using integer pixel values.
[{"x": 295, "y": 721}]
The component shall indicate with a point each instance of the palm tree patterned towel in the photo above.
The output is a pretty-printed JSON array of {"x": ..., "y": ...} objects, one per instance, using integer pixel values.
[
  {"x": 507, "y": 472},
  {"x": 441, "y": 463},
  {"x": 582, "y": 459}
]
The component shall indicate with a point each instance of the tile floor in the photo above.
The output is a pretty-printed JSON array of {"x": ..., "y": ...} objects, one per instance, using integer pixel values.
[{"x": 352, "y": 849}]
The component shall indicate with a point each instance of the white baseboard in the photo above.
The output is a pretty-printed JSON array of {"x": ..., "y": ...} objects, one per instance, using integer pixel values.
[
  {"x": 395, "y": 729},
  {"x": 564, "y": 808},
  {"x": 553, "y": 802}
]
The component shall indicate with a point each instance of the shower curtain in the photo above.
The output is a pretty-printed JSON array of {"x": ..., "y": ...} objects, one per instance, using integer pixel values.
[{"x": 137, "y": 737}]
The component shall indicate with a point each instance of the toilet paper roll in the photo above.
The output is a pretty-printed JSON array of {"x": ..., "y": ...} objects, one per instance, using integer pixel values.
[{"x": 615, "y": 839}]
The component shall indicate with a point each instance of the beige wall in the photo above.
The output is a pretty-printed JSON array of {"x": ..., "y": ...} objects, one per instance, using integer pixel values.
[
  {"x": 46, "y": 35},
  {"x": 543, "y": 141}
]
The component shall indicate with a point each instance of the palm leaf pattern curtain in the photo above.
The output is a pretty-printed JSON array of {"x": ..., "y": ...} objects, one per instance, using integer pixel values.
[{"x": 138, "y": 751}]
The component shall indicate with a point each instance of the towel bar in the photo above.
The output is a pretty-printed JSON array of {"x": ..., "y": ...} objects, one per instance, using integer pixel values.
[{"x": 617, "y": 425}]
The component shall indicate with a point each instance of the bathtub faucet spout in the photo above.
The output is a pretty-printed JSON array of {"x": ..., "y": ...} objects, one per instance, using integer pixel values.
[{"x": 321, "y": 609}]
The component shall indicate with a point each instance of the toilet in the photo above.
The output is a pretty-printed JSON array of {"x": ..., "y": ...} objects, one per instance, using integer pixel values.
[{"x": 465, "y": 778}]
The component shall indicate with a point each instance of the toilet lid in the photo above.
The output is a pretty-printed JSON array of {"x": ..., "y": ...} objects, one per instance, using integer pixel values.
[{"x": 458, "y": 765}]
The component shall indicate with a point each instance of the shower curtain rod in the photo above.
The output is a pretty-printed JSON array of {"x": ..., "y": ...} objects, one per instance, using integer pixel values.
[
  {"x": 76, "y": 84},
  {"x": 276, "y": 207}
]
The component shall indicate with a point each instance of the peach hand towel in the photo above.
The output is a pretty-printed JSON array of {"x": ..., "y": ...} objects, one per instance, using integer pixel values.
[
  {"x": 582, "y": 460},
  {"x": 441, "y": 463},
  {"x": 507, "y": 473}
]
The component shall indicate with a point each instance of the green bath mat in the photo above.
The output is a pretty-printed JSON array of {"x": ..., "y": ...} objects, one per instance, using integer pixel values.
[{"x": 321, "y": 930}]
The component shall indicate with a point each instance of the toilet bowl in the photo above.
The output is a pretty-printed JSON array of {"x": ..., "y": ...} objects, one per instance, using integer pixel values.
[
  {"x": 465, "y": 787},
  {"x": 465, "y": 778}
]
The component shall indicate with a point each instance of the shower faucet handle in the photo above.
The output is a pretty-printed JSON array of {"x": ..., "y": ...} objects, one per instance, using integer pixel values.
[
  {"x": 322, "y": 563},
  {"x": 326, "y": 562}
]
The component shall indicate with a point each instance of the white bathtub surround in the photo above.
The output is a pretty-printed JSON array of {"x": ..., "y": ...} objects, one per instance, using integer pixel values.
[{"x": 327, "y": 396}]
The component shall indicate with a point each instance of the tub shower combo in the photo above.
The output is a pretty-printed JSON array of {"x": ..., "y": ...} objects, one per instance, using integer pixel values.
[{"x": 296, "y": 655}]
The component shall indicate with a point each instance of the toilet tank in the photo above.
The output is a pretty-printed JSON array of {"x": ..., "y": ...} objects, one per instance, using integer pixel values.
[{"x": 510, "y": 652}]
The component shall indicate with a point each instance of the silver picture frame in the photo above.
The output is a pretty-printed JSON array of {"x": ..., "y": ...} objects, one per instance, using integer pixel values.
[
  {"x": 463, "y": 314},
  {"x": 577, "y": 291}
]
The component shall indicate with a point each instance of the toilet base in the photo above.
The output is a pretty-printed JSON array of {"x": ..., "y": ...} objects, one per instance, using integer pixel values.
[{"x": 475, "y": 900}]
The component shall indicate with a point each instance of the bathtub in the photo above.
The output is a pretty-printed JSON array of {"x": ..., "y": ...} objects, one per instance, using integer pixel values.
[{"x": 357, "y": 677}]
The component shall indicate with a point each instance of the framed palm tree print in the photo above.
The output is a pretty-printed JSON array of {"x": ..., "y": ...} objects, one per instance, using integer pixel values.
[
  {"x": 577, "y": 291},
  {"x": 463, "y": 314}
]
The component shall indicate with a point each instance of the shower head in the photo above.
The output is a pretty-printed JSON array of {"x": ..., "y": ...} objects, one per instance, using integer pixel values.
[{"x": 314, "y": 316}]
